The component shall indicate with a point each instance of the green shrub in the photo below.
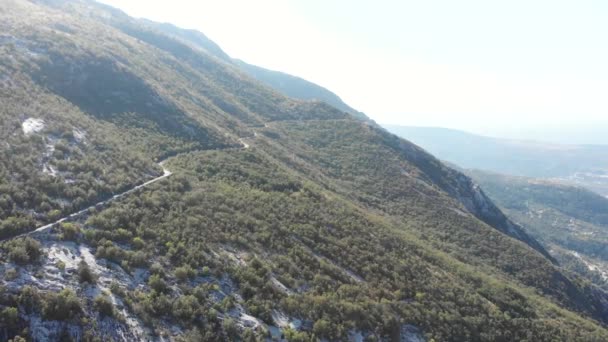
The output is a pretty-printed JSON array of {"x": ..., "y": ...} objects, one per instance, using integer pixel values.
[
  {"x": 104, "y": 305},
  {"x": 85, "y": 275},
  {"x": 9, "y": 318},
  {"x": 60, "y": 265},
  {"x": 138, "y": 243},
  {"x": 11, "y": 274},
  {"x": 69, "y": 231},
  {"x": 157, "y": 283},
  {"x": 183, "y": 273},
  {"x": 186, "y": 308},
  {"x": 61, "y": 306},
  {"x": 24, "y": 251},
  {"x": 29, "y": 298}
]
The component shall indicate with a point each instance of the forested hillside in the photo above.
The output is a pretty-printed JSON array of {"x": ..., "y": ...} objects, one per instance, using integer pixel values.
[
  {"x": 571, "y": 222},
  {"x": 283, "y": 219},
  {"x": 286, "y": 84},
  {"x": 297, "y": 87}
]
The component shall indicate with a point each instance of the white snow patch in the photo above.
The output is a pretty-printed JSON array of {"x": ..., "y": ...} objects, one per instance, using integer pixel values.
[
  {"x": 250, "y": 321},
  {"x": 245, "y": 145},
  {"x": 591, "y": 266},
  {"x": 65, "y": 253},
  {"x": 244, "y": 319},
  {"x": 283, "y": 321},
  {"x": 280, "y": 286},
  {"x": 49, "y": 170},
  {"x": 79, "y": 134},
  {"x": 235, "y": 256},
  {"x": 280, "y": 319},
  {"x": 71, "y": 254},
  {"x": 32, "y": 125}
]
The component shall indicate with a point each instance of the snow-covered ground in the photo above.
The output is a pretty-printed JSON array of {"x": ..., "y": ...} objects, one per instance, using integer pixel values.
[
  {"x": 71, "y": 254},
  {"x": 59, "y": 271},
  {"x": 591, "y": 266},
  {"x": 79, "y": 135},
  {"x": 32, "y": 125},
  {"x": 280, "y": 286},
  {"x": 245, "y": 145},
  {"x": 281, "y": 322},
  {"x": 49, "y": 170}
]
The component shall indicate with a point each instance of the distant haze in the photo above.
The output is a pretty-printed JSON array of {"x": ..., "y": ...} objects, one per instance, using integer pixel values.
[
  {"x": 583, "y": 133},
  {"x": 472, "y": 64}
]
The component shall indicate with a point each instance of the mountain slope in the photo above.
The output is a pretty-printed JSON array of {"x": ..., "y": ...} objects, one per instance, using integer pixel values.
[
  {"x": 194, "y": 37},
  {"x": 571, "y": 222},
  {"x": 297, "y": 87},
  {"x": 281, "y": 217},
  {"x": 286, "y": 84}
]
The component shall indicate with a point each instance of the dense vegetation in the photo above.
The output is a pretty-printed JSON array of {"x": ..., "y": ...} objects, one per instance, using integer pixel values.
[
  {"x": 71, "y": 163},
  {"x": 517, "y": 192},
  {"x": 278, "y": 213},
  {"x": 321, "y": 247},
  {"x": 570, "y": 221},
  {"x": 286, "y": 84},
  {"x": 297, "y": 87}
]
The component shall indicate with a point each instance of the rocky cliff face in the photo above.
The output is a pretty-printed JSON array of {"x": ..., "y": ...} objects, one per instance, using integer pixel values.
[
  {"x": 480, "y": 205},
  {"x": 462, "y": 188}
]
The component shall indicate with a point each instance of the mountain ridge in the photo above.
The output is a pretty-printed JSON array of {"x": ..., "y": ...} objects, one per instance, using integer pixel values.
[
  {"x": 324, "y": 227},
  {"x": 284, "y": 83}
]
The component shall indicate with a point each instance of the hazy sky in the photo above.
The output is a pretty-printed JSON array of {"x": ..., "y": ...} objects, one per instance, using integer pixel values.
[{"x": 468, "y": 64}]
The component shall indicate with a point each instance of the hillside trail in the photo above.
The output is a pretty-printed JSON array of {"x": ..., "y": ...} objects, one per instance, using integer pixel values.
[{"x": 80, "y": 213}]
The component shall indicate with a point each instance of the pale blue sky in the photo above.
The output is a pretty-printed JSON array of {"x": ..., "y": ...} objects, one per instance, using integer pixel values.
[{"x": 483, "y": 66}]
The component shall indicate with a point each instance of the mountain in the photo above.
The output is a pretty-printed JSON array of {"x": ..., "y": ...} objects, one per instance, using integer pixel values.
[
  {"x": 152, "y": 191},
  {"x": 286, "y": 84},
  {"x": 297, "y": 87},
  {"x": 194, "y": 37},
  {"x": 583, "y": 165},
  {"x": 571, "y": 222}
]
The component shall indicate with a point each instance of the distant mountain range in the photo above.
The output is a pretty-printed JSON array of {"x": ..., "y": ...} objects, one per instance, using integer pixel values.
[
  {"x": 585, "y": 165},
  {"x": 578, "y": 133}
]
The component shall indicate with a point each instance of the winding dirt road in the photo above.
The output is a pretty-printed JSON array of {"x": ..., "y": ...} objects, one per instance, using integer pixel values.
[{"x": 166, "y": 173}]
